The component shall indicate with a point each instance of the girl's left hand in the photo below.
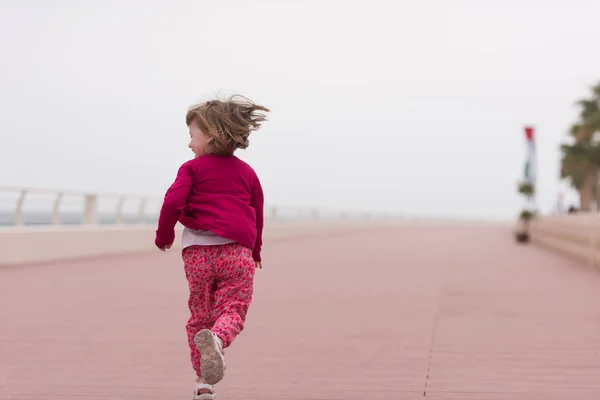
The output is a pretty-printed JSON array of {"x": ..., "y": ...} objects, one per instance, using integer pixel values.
[
  {"x": 167, "y": 247},
  {"x": 258, "y": 264}
]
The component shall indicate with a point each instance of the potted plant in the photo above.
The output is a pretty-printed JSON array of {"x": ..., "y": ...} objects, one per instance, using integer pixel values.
[
  {"x": 526, "y": 215},
  {"x": 526, "y": 189}
]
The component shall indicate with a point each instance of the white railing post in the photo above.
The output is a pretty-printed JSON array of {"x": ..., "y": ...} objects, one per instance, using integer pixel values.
[
  {"x": 56, "y": 209},
  {"x": 119, "y": 211},
  {"x": 89, "y": 209},
  {"x": 142, "y": 210},
  {"x": 273, "y": 213},
  {"x": 18, "y": 217}
]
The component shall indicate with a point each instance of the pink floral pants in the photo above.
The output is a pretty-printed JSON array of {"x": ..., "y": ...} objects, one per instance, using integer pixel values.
[{"x": 221, "y": 285}]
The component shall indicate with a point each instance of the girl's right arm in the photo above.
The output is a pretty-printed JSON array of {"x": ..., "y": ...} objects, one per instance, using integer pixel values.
[{"x": 173, "y": 205}]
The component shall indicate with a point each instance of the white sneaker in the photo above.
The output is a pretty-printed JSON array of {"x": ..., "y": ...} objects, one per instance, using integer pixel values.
[
  {"x": 212, "y": 361},
  {"x": 204, "y": 391}
]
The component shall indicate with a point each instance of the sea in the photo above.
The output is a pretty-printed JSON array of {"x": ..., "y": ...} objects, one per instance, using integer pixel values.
[{"x": 40, "y": 218}]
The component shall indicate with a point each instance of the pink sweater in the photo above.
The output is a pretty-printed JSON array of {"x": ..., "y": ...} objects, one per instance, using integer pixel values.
[{"x": 222, "y": 195}]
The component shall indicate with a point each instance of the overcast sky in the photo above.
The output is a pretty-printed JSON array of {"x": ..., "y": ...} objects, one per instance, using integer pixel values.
[{"x": 409, "y": 106}]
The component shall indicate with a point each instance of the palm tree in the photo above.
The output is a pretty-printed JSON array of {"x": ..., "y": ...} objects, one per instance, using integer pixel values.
[
  {"x": 575, "y": 168},
  {"x": 581, "y": 160}
]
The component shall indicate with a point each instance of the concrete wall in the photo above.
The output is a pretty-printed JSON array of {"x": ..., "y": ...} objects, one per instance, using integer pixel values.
[
  {"x": 574, "y": 235},
  {"x": 27, "y": 245}
]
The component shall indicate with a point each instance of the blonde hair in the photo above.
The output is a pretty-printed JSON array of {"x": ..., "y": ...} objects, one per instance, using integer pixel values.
[{"x": 228, "y": 123}]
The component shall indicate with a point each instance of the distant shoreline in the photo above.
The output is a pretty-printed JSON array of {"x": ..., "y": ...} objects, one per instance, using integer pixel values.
[{"x": 32, "y": 218}]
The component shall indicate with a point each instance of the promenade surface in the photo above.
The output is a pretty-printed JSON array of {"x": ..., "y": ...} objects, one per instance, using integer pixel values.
[{"x": 445, "y": 312}]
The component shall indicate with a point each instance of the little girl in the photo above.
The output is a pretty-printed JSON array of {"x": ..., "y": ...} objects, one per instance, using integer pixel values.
[{"x": 219, "y": 200}]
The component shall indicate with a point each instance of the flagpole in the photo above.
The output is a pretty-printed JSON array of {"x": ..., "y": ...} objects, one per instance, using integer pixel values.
[{"x": 531, "y": 175}]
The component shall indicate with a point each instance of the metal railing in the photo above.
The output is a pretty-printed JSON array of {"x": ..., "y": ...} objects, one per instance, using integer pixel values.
[
  {"x": 25, "y": 206},
  {"x": 21, "y": 206}
]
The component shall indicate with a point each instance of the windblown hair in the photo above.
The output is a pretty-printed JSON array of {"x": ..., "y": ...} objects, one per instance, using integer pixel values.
[{"x": 228, "y": 123}]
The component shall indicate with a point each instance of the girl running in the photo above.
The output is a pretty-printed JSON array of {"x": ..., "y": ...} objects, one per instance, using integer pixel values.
[{"x": 218, "y": 199}]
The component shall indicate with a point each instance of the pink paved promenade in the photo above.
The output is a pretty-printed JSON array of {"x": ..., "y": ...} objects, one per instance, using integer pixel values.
[{"x": 445, "y": 312}]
